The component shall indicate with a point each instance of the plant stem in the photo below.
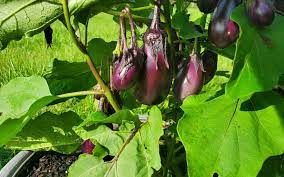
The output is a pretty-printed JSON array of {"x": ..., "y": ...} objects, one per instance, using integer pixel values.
[
  {"x": 83, "y": 49},
  {"x": 168, "y": 28},
  {"x": 142, "y": 8},
  {"x": 135, "y": 17},
  {"x": 80, "y": 93}
]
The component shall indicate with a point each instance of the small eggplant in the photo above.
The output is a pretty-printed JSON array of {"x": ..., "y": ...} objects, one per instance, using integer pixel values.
[
  {"x": 189, "y": 80},
  {"x": 223, "y": 31},
  {"x": 155, "y": 81},
  {"x": 88, "y": 147},
  {"x": 48, "y": 36},
  {"x": 260, "y": 12},
  {"x": 128, "y": 64},
  {"x": 209, "y": 60},
  {"x": 207, "y": 6}
]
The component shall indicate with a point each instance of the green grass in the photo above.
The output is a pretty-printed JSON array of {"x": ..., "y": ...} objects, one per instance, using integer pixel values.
[{"x": 30, "y": 56}]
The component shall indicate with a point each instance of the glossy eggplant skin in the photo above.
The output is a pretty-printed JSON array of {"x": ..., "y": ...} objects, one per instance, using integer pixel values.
[
  {"x": 260, "y": 12},
  {"x": 155, "y": 81},
  {"x": 207, "y": 6},
  {"x": 189, "y": 80},
  {"x": 209, "y": 60},
  {"x": 222, "y": 31},
  {"x": 128, "y": 63}
]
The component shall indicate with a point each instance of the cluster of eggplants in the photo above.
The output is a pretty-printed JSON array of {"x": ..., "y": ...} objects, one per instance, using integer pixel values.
[
  {"x": 155, "y": 80},
  {"x": 128, "y": 62},
  {"x": 189, "y": 80},
  {"x": 222, "y": 30},
  {"x": 260, "y": 12}
]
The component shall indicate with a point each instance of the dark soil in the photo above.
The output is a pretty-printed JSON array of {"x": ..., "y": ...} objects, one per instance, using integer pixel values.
[{"x": 48, "y": 165}]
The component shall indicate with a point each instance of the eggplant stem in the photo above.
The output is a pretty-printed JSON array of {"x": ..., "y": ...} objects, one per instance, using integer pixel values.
[
  {"x": 83, "y": 49},
  {"x": 156, "y": 18},
  {"x": 132, "y": 26},
  {"x": 123, "y": 32}
]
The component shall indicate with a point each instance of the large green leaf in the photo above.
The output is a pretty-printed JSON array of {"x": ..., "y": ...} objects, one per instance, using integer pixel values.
[
  {"x": 49, "y": 132},
  {"x": 20, "y": 99},
  {"x": 231, "y": 138},
  {"x": 258, "y": 62},
  {"x": 137, "y": 158},
  {"x": 28, "y": 17},
  {"x": 69, "y": 77}
]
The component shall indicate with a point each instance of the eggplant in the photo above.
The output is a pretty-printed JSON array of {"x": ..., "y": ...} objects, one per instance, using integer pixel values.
[
  {"x": 189, "y": 80},
  {"x": 88, "y": 147},
  {"x": 128, "y": 63},
  {"x": 222, "y": 31},
  {"x": 209, "y": 60},
  {"x": 48, "y": 36},
  {"x": 260, "y": 12},
  {"x": 207, "y": 6},
  {"x": 155, "y": 81}
]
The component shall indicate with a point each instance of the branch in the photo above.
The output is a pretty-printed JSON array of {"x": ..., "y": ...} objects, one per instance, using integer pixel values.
[
  {"x": 80, "y": 93},
  {"x": 83, "y": 49}
]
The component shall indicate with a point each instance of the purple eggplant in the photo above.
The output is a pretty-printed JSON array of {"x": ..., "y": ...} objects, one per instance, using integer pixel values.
[
  {"x": 128, "y": 64},
  {"x": 222, "y": 31},
  {"x": 209, "y": 60},
  {"x": 260, "y": 12},
  {"x": 189, "y": 80},
  {"x": 207, "y": 6},
  {"x": 88, "y": 147},
  {"x": 155, "y": 81}
]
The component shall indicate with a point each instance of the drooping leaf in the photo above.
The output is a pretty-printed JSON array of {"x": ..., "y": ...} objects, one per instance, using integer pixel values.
[
  {"x": 137, "y": 158},
  {"x": 258, "y": 62},
  {"x": 186, "y": 29},
  {"x": 20, "y": 99},
  {"x": 68, "y": 77},
  {"x": 49, "y": 132},
  {"x": 28, "y": 17},
  {"x": 229, "y": 137}
]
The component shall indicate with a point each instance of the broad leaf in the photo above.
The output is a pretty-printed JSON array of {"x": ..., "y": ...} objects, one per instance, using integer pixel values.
[
  {"x": 186, "y": 29},
  {"x": 231, "y": 138},
  {"x": 28, "y": 17},
  {"x": 137, "y": 158},
  {"x": 258, "y": 62},
  {"x": 49, "y": 132},
  {"x": 20, "y": 99},
  {"x": 68, "y": 77}
]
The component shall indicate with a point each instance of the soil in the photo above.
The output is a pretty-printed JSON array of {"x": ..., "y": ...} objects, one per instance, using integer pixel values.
[{"x": 48, "y": 165}]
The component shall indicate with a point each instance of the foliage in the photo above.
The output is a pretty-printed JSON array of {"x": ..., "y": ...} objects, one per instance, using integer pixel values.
[{"x": 233, "y": 127}]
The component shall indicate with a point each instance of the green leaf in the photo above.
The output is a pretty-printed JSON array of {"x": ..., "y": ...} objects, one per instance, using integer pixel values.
[
  {"x": 101, "y": 53},
  {"x": 68, "y": 77},
  {"x": 28, "y": 17},
  {"x": 258, "y": 63},
  {"x": 20, "y": 99},
  {"x": 186, "y": 29},
  {"x": 272, "y": 167},
  {"x": 49, "y": 132},
  {"x": 138, "y": 157},
  {"x": 239, "y": 135}
]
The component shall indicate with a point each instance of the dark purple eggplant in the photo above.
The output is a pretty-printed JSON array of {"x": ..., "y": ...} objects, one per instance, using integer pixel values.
[
  {"x": 207, "y": 6},
  {"x": 260, "y": 12},
  {"x": 222, "y": 31},
  {"x": 189, "y": 80},
  {"x": 155, "y": 81},
  {"x": 88, "y": 147},
  {"x": 128, "y": 65},
  {"x": 209, "y": 60}
]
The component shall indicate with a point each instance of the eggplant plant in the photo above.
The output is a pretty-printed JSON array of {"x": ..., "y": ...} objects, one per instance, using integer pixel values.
[{"x": 151, "y": 102}]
